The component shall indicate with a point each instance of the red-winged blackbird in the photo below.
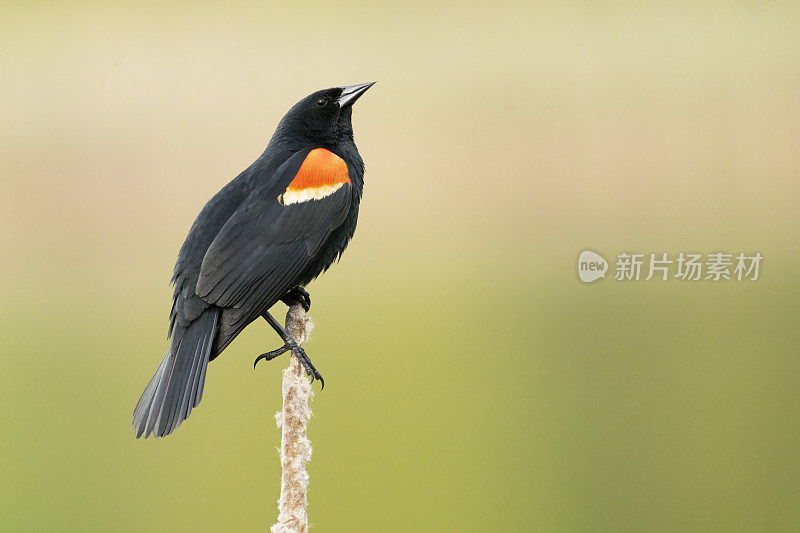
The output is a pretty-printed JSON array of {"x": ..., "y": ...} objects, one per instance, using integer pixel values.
[{"x": 261, "y": 239}]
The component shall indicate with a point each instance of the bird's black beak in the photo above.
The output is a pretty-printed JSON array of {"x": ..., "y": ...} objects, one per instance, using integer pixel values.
[{"x": 351, "y": 93}]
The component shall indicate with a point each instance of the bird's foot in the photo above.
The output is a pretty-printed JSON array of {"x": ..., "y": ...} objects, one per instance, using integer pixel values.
[
  {"x": 298, "y": 295},
  {"x": 298, "y": 352},
  {"x": 269, "y": 356}
]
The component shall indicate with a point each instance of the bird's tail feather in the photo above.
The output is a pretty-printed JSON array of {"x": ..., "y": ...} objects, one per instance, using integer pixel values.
[{"x": 177, "y": 385}]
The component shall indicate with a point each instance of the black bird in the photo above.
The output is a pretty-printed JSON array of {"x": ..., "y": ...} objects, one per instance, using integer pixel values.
[{"x": 261, "y": 239}]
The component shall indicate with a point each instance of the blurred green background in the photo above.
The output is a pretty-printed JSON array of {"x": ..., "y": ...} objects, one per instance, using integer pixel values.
[{"x": 474, "y": 384}]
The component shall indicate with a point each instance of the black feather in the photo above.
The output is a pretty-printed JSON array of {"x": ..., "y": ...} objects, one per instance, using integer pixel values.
[{"x": 165, "y": 402}]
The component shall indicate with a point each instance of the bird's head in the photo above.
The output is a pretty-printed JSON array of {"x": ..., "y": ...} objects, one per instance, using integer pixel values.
[{"x": 323, "y": 116}]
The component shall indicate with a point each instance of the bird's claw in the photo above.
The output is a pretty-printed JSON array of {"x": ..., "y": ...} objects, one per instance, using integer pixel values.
[
  {"x": 311, "y": 372},
  {"x": 298, "y": 295},
  {"x": 301, "y": 355},
  {"x": 269, "y": 356}
]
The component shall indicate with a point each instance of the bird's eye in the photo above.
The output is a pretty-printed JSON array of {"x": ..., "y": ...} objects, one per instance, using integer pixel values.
[{"x": 322, "y": 102}]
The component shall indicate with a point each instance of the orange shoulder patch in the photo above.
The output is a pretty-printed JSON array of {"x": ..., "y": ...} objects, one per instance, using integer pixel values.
[{"x": 321, "y": 174}]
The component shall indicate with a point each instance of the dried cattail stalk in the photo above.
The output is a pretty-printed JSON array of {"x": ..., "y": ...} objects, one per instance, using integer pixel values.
[{"x": 293, "y": 420}]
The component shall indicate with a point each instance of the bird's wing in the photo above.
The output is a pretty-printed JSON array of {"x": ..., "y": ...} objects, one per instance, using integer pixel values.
[{"x": 276, "y": 232}]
